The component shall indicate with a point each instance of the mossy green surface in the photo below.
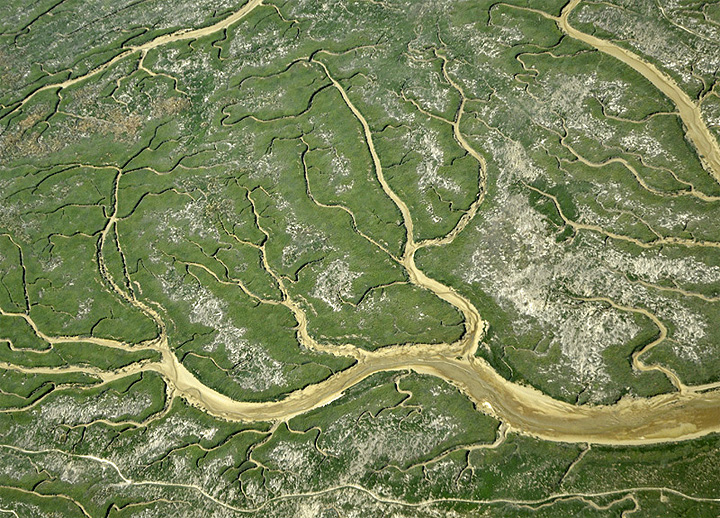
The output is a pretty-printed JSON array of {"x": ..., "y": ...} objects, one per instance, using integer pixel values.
[{"x": 196, "y": 196}]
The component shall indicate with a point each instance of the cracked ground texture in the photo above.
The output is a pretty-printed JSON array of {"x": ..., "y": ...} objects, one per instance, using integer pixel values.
[{"x": 360, "y": 258}]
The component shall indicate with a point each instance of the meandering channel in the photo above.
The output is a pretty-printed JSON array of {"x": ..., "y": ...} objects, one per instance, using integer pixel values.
[{"x": 668, "y": 417}]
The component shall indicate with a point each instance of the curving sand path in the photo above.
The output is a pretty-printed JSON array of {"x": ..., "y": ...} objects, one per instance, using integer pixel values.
[
  {"x": 180, "y": 35},
  {"x": 695, "y": 128}
]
